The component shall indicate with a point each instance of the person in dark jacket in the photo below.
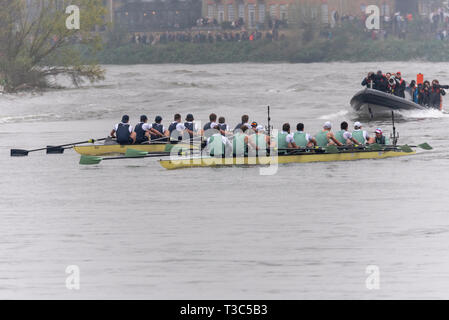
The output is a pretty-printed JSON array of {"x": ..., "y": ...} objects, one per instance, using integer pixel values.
[
  {"x": 400, "y": 86},
  {"x": 368, "y": 81},
  {"x": 380, "y": 82},
  {"x": 411, "y": 90},
  {"x": 435, "y": 94},
  {"x": 424, "y": 94},
  {"x": 391, "y": 83}
]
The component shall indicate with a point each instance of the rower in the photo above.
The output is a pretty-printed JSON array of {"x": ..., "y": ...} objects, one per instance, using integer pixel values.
[
  {"x": 223, "y": 126},
  {"x": 245, "y": 119},
  {"x": 124, "y": 132},
  {"x": 326, "y": 137},
  {"x": 380, "y": 138},
  {"x": 190, "y": 127},
  {"x": 259, "y": 140},
  {"x": 344, "y": 136},
  {"x": 142, "y": 130},
  {"x": 175, "y": 129},
  {"x": 218, "y": 144},
  {"x": 286, "y": 140},
  {"x": 303, "y": 139},
  {"x": 240, "y": 142},
  {"x": 208, "y": 126},
  {"x": 158, "y": 131},
  {"x": 360, "y": 135}
]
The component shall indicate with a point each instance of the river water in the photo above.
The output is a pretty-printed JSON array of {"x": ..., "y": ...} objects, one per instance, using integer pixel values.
[{"x": 135, "y": 230}]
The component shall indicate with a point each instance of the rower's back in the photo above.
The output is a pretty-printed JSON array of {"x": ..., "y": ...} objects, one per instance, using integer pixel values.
[
  {"x": 340, "y": 137},
  {"x": 239, "y": 147},
  {"x": 321, "y": 138},
  {"x": 300, "y": 139},
  {"x": 359, "y": 136},
  {"x": 123, "y": 133},
  {"x": 216, "y": 146},
  {"x": 282, "y": 142}
]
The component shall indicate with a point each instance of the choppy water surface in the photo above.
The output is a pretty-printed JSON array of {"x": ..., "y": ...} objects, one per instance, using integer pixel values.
[{"x": 138, "y": 231}]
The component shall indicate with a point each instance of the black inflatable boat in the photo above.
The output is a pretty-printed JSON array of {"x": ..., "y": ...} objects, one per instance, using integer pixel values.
[{"x": 375, "y": 103}]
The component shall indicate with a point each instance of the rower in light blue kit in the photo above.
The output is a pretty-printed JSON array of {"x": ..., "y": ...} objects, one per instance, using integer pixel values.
[
  {"x": 285, "y": 140},
  {"x": 344, "y": 136},
  {"x": 361, "y": 135},
  {"x": 326, "y": 137},
  {"x": 303, "y": 139}
]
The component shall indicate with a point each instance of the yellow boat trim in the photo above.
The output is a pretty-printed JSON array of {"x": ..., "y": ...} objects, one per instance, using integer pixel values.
[
  {"x": 100, "y": 150},
  {"x": 251, "y": 161}
]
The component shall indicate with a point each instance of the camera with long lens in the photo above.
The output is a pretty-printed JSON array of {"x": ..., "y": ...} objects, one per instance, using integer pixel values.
[{"x": 392, "y": 81}]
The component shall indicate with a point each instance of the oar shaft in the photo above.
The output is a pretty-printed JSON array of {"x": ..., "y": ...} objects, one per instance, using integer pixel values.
[
  {"x": 163, "y": 154},
  {"x": 68, "y": 144}
]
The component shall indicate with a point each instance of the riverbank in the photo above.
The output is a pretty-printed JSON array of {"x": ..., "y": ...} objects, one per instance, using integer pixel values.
[{"x": 287, "y": 50}]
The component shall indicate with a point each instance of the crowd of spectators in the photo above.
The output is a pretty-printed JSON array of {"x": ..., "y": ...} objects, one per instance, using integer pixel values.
[
  {"x": 205, "y": 37},
  {"x": 398, "y": 25}
]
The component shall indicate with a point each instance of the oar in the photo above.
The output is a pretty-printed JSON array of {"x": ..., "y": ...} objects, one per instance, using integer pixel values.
[
  {"x": 50, "y": 149},
  {"x": 130, "y": 154}
]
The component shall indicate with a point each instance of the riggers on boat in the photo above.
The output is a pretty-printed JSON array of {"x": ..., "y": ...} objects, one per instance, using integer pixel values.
[
  {"x": 100, "y": 150},
  {"x": 304, "y": 157}
]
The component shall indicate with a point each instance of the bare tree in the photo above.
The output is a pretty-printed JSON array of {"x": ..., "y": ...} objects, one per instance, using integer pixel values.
[{"x": 36, "y": 43}]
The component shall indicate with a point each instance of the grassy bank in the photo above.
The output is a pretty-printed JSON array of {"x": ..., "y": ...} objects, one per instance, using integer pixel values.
[{"x": 288, "y": 50}]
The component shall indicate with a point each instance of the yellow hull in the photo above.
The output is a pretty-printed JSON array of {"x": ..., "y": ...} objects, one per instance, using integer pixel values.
[
  {"x": 100, "y": 150},
  {"x": 304, "y": 158}
]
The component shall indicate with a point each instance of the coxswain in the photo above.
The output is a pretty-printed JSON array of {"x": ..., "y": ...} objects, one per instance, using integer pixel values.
[
  {"x": 142, "y": 130},
  {"x": 360, "y": 135},
  {"x": 158, "y": 131},
  {"x": 326, "y": 137},
  {"x": 176, "y": 129},
  {"x": 380, "y": 138},
  {"x": 245, "y": 119},
  {"x": 285, "y": 140},
  {"x": 240, "y": 142},
  {"x": 253, "y": 127},
  {"x": 123, "y": 131},
  {"x": 344, "y": 136},
  {"x": 218, "y": 145},
  {"x": 303, "y": 139}
]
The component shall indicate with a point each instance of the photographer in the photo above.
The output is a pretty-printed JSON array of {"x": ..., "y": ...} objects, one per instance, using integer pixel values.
[
  {"x": 368, "y": 81},
  {"x": 424, "y": 93},
  {"x": 399, "y": 90},
  {"x": 436, "y": 92},
  {"x": 391, "y": 83}
]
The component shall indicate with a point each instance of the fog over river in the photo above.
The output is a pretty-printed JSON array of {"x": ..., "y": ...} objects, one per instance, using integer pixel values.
[{"x": 136, "y": 230}]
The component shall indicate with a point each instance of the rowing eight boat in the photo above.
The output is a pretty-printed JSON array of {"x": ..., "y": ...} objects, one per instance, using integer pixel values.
[
  {"x": 99, "y": 150},
  {"x": 299, "y": 158}
]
